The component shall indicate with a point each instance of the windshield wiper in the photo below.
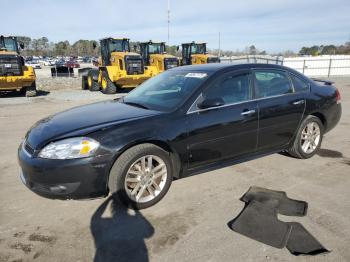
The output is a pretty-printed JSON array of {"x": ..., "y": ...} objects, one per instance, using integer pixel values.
[{"x": 135, "y": 104}]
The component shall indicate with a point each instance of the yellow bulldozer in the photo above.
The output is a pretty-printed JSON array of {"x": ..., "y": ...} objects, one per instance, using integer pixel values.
[
  {"x": 14, "y": 75},
  {"x": 196, "y": 53},
  {"x": 154, "y": 55},
  {"x": 118, "y": 67}
]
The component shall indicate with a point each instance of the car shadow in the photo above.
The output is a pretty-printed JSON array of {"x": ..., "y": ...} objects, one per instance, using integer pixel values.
[
  {"x": 329, "y": 153},
  {"x": 20, "y": 94},
  {"x": 120, "y": 237}
]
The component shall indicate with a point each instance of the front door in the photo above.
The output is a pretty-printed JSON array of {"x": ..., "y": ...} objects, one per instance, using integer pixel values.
[{"x": 224, "y": 131}]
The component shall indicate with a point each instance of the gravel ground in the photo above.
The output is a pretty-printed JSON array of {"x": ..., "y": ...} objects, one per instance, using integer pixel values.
[{"x": 190, "y": 223}]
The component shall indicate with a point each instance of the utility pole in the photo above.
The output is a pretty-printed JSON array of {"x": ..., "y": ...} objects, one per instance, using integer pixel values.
[
  {"x": 168, "y": 22},
  {"x": 219, "y": 44}
]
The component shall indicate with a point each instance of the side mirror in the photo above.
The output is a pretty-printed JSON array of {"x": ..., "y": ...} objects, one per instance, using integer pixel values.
[
  {"x": 21, "y": 45},
  {"x": 177, "y": 48},
  {"x": 135, "y": 48},
  {"x": 94, "y": 45},
  {"x": 211, "y": 102}
]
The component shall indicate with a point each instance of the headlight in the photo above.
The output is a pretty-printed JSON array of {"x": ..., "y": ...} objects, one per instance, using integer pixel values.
[{"x": 77, "y": 147}]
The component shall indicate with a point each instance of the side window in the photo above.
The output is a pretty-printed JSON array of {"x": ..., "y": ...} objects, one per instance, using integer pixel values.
[
  {"x": 299, "y": 85},
  {"x": 232, "y": 89},
  {"x": 271, "y": 83}
]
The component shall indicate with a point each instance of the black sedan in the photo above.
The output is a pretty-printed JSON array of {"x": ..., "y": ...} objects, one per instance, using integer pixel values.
[{"x": 185, "y": 120}]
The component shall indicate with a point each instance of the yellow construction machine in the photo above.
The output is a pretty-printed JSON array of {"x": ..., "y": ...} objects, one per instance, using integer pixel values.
[
  {"x": 118, "y": 67},
  {"x": 14, "y": 75},
  {"x": 196, "y": 53},
  {"x": 154, "y": 55}
]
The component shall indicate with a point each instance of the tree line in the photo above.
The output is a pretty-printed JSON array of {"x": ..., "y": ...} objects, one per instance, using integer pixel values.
[
  {"x": 43, "y": 47},
  {"x": 326, "y": 50}
]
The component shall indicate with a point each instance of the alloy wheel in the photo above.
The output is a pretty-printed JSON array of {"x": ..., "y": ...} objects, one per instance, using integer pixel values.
[
  {"x": 310, "y": 137},
  {"x": 146, "y": 178}
]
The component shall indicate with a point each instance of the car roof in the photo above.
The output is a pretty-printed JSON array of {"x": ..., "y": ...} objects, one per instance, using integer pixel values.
[{"x": 215, "y": 67}]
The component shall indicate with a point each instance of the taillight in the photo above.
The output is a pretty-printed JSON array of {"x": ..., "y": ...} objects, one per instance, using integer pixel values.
[{"x": 338, "y": 98}]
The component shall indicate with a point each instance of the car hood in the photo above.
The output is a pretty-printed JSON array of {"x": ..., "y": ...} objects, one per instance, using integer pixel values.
[{"x": 83, "y": 120}]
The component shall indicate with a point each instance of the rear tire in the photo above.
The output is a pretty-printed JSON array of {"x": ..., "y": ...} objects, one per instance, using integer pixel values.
[
  {"x": 107, "y": 86},
  {"x": 308, "y": 138},
  {"x": 92, "y": 82},
  {"x": 124, "y": 167},
  {"x": 30, "y": 91}
]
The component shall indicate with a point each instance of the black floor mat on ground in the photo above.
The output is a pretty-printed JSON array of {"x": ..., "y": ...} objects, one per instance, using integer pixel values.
[
  {"x": 259, "y": 221},
  {"x": 286, "y": 206},
  {"x": 301, "y": 242}
]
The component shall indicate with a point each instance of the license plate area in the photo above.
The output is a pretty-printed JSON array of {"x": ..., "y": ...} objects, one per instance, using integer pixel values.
[{"x": 8, "y": 66}]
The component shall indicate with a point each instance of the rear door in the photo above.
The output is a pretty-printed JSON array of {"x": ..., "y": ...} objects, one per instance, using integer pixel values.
[
  {"x": 280, "y": 108},
  {"x": 225, "y": 131}
]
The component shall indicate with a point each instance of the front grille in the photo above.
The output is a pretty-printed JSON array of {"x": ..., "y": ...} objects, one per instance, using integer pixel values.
[
  {"x": 134, "y": 65},
  {"x": 10, "y": 65},
  {"x": 28, "y": 148},
  {"x": 170, "y": 63},
  {"x": 213, "y": 60}
]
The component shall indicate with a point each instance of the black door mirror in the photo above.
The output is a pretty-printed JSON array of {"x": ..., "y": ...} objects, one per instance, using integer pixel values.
[
  {"x": 94, "y": 45},
  {"x": 21, "y": 45},
  {"x": 177, "y": 48},
  {"x": 211, "y": 102}
]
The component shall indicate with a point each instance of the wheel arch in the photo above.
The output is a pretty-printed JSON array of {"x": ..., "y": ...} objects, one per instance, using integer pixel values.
[
  {"x": 322, "y": 117},
  {"x": 174, "y": 156}
]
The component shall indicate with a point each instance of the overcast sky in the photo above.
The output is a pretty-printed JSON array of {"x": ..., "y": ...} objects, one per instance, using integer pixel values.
[{"x": 271, "y": 25}]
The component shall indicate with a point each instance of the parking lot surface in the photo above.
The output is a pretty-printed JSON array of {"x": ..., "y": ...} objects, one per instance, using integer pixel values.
[{"x": 190, "y": 223}]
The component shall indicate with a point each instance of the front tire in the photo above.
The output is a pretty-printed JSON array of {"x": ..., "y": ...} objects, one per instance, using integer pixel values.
[
  {"x": 308, "y": 138},
  {"x": 107, "y": 86},
  {"x": 141, "y": 176},
  {"x": 30, "y": 91}
]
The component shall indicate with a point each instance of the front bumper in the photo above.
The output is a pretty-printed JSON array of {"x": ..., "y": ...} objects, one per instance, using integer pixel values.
[{"x": 81, "y": 178}]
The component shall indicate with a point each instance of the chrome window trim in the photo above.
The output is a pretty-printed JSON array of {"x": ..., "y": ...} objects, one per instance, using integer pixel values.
[{"x": 216, "y": 107}]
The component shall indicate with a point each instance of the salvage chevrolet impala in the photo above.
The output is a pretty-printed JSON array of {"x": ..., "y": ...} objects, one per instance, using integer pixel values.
[{"x": 185, "y": 120}]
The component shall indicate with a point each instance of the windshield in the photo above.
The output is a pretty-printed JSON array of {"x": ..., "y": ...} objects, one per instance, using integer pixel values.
[
  {"x": 198, "y": 49},
  {"x": 155, "y": 48},
  {"x": 166, "y": 91},
  {"x": 118, "y": 45},
  {"x": 9, "y": 44}
]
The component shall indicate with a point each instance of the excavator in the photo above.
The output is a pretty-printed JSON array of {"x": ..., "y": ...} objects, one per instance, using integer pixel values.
[
  {"x": 14, "y": 75},
  {"x": 196, "y": 53},
  {"x": 118, "y": 67},
  {"x": 154, "y": 55}
]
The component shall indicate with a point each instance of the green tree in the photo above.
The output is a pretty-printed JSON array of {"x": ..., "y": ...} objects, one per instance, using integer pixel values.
[
  {"x": 328, "y": 50},
  {"x": 62, "y": 48}
]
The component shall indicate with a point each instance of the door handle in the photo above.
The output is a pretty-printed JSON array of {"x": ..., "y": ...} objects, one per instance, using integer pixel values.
[
  {"x": 249, "y": 112},
  {"x": 298, "y": 102}
]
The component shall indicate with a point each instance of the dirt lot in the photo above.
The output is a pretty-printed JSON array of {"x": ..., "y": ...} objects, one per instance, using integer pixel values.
[{"x": 190, "y": 223}]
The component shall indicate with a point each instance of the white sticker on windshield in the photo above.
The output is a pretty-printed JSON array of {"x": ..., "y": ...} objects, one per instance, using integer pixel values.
[{"x": 196, "y": 75}]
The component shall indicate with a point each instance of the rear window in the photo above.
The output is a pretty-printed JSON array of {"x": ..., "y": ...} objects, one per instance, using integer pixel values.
[
  {"x": 271, "y": 83},
  {"x": 299, "y": 85}
]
